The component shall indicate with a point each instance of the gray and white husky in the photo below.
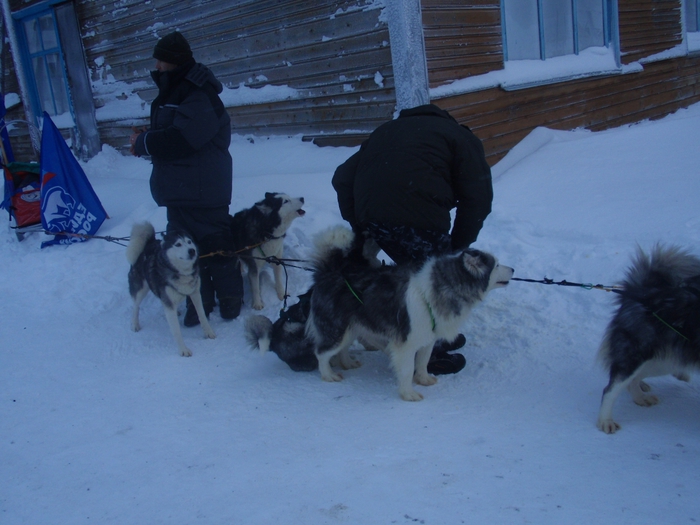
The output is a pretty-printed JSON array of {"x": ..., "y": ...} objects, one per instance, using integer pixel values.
[
  {"x": 403, "y": 309},
  {"x": 169, "y": 269},
  {"x": 656, "y": 329},
  {"x": 287, "y": 337},
  {"x": 259, "y": 232}
]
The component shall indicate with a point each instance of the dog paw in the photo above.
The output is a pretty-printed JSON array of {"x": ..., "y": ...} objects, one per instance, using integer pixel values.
[
  {"x": 258, "y": 305},
  {"x": 332, "y": 377},
  {"x": 608, "y": 426},
  {"x": 136, "y": 327},
  {"x": 209, "y": 334},
  {"x": 348, "y": 362},
  {"x": 425, "y": 380},
  {"x": 186, "y": 352},
  {"x": 411, "y": 395},
  {"x": 646, "y": 401}
]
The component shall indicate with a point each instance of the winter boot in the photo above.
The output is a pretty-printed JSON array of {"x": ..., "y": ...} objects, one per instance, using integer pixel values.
[
  {"x": 444, "y": 363},
  {"x": 446, "y": 346},
  {"x": 228, "y": 283}
]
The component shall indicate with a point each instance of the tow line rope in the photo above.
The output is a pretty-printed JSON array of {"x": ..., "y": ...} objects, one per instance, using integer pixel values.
[
  {"x": 615, "y": 289},
  {"x": 585, "y": 286},
  {"x": 285, "y": 263}
]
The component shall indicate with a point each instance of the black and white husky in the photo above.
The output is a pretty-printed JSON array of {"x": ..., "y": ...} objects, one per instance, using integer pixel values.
[
  {"x": 259, "y": 232},
  {"x": 169, "y": 269},
  {"x": 403, "y": 309},
  {"x": 656, "y": 329},
  {"x": 287, "y": 336}
]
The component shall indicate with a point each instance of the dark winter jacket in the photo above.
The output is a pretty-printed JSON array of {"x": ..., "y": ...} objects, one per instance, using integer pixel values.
[
  {"x": 188, "y": 140},
  {"x": 412, "y": 171}
]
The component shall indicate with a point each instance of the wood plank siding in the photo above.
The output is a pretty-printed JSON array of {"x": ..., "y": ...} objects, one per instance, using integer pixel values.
[
  {"x": 503, "y": 118},
  {"x": 648, "y": 27},
  {"x": 329, "y": 51},
  {"x": 336, "y": 56},
  {"x": 462, "y": 39}
]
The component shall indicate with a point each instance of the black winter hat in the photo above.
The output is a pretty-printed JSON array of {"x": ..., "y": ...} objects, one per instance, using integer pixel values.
[{"x": 173, "y": 49}]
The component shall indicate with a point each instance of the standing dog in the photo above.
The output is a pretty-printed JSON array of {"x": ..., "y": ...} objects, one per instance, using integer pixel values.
[
  {"x": 259, "y": 232},
  {"x": 287, "y": 336},
  {"x": 403, "y": 309},
  {"x": 169, "y": 269},
  {"x": 656, "y": 329}
]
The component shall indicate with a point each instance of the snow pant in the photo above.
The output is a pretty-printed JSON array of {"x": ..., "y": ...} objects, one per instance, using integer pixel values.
[{"x": 406, "y": 244}]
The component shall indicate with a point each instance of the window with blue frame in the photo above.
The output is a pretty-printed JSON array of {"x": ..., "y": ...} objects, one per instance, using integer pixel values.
[
  {"x": 542, "y": 29},
  {"x": 44, "y": 64}
]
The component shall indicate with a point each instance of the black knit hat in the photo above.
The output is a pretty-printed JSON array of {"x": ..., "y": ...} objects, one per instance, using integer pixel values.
[{"x": 173, "y": 49}]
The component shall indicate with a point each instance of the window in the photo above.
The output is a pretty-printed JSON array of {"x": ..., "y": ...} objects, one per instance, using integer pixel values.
[
  {"x": 692, "y": 15},
  {"x": 46, "y": 71},
  {"x": 542, "y": 29},
  {"x": 54, "y": 71}
]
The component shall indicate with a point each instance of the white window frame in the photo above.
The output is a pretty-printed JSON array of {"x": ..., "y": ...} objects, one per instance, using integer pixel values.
[
  {"x": 691, "y": 23},
  {"x": 589, "y": 62}
]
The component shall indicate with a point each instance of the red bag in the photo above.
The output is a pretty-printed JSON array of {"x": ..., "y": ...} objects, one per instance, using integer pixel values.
[{"x": 22, "y": 183}]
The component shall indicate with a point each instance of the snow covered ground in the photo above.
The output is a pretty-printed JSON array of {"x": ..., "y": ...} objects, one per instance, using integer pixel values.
[{"x": 102, "y": 425}]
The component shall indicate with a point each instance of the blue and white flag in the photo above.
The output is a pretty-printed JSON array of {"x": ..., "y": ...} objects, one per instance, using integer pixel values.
[{"x": 70, "y": 209}]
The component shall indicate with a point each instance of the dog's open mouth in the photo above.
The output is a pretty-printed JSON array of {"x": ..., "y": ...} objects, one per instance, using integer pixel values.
[
  {"x": 301, "y": 212},
  {"x": 502, "y": 282}
]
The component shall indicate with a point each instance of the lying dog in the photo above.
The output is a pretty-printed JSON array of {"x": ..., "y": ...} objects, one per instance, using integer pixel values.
[
  {"x": 656, "y": 329},
  {"x": 259, "y": 232},
  {"x": 403, "y": 309},
  {"x": 169, "y": 269},
  {"x": 286, "y": 337}
]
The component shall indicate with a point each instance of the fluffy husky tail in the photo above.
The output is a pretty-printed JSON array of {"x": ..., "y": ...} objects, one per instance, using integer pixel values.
[
  {"x": 141, "y": 233},
  {"x": 257, "y": 332},
  {"x": 337, "y": 241},
  {"x": 672, "y": 262}
]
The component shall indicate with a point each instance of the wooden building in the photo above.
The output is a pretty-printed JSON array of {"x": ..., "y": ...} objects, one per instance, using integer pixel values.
[{"x": 332, "y": 71}]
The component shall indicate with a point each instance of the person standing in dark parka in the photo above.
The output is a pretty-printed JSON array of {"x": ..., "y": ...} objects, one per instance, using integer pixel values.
[
  {"x": 192, "y": 172},
  {"x": 401, "y": 186}
]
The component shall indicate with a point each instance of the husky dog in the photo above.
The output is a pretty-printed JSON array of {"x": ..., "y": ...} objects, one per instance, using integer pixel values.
[
  {"x": 656, "y": 329},
  {"x": 259, "y": 233},
  {"x": 287, "y": 336},
  {"x": 403, "y": 309},
  {"x": 169, "y": 269}
]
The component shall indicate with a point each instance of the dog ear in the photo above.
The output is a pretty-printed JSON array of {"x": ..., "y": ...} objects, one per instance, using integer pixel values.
[{"x": 473, "y": 263}]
